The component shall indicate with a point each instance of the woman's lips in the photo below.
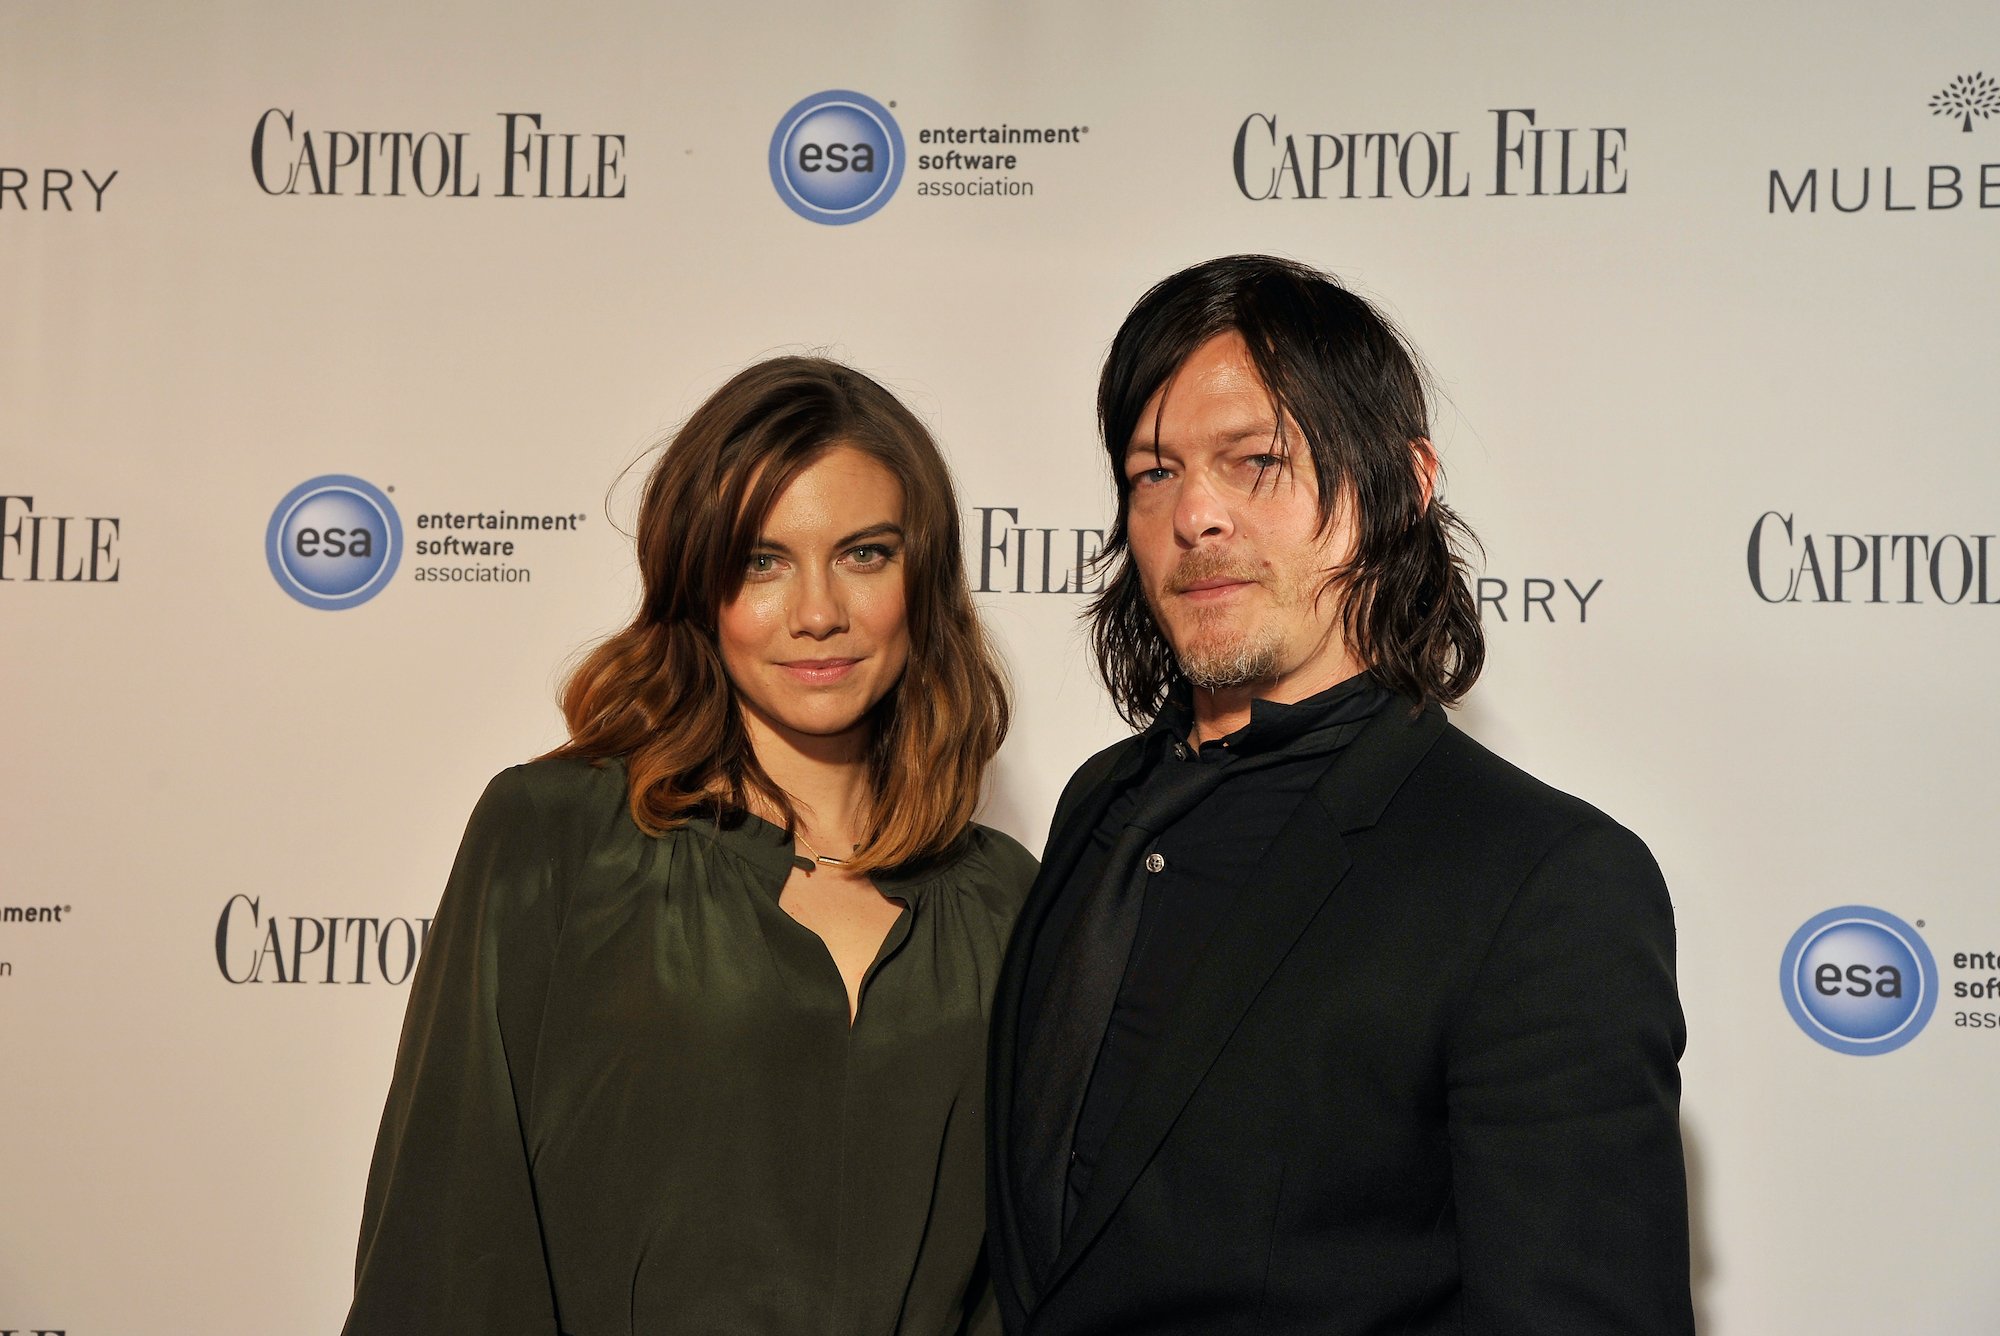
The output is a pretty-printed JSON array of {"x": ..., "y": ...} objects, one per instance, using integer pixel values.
[{"x": 818, "y": 672}]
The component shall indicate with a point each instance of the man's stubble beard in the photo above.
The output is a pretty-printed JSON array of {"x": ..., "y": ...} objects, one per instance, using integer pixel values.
[
  {"x": 1209, "y": 654},
  {"x": 1214, "y": 661}
]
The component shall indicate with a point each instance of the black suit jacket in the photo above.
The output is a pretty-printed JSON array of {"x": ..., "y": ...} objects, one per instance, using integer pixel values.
[{"x": 1422, "y": 1080}]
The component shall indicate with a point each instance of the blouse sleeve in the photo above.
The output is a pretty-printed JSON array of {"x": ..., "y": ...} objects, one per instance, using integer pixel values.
[{"x": 451, "y": 1241}]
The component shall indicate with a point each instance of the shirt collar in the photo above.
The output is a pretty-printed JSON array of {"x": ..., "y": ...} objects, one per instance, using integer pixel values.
[
  {"x": 768, "y": 849},
  {"x": 1275, "y": 725}
]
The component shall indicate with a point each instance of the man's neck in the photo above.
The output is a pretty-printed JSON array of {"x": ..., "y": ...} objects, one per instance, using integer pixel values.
[{"x": 1218, "y": 713}]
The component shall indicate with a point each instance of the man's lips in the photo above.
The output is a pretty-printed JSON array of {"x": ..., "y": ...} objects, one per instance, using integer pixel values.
[
  {"x": 818, "y": 672},
  {"x": 1215, "y": 586}
]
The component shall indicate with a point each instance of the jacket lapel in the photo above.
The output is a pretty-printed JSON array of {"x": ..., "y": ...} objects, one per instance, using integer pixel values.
[
  {"x": 1089, "y": 793},
  {"x": 1298, "y": 872}
]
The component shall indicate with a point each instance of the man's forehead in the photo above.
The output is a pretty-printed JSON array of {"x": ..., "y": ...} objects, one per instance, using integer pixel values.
[{"x": 1253, "y": 422}]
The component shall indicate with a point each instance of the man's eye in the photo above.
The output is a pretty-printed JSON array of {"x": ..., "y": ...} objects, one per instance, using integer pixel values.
[{"x": 1269, "y": 467}]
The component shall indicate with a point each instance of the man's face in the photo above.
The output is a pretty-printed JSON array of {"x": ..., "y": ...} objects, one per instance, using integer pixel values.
[{"x": 1223, "y": 519}]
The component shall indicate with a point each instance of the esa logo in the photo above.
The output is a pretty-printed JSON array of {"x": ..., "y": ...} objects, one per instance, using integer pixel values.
[
  {"x": 836, "y": 157},
  {"x": 1859, "y": 980},
  {"x": 333, "y": 542}
]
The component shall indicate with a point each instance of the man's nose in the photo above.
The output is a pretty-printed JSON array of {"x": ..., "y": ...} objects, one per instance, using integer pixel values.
[{"x": 1201, "y": 512}]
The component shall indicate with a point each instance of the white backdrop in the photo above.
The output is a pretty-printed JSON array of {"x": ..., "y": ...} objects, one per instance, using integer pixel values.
[{"x": 1630, "y": 380}]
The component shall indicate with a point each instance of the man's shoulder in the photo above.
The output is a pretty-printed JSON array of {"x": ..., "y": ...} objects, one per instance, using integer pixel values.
[
  {"x": 1462, "y": 758},
  {"x": 1097, "y": 770},
  {"x": 1464, "y": 783}
]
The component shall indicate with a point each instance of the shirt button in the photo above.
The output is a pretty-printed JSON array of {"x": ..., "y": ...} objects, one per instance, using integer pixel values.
[{"x": 1155, "y": 863}]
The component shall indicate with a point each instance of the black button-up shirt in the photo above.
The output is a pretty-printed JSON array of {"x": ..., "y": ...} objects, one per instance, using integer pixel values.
[{"x": 1195, "y": 870}]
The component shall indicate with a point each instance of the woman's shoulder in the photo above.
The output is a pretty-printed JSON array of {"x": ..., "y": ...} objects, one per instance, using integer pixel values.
[
  {"x": 561, "y": 780},
  {"x": 561, "y": 792},
  {"x": 994, "y": 865}
]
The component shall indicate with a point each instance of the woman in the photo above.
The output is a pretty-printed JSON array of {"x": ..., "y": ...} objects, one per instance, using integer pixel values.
[{"x": 697, "y": 1044}]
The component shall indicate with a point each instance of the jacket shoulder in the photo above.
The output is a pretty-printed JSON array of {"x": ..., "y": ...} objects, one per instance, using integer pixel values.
[
  {"x": 1487, "y": 799},
  {"x": 1094, "y": 772},
  {"x": 1460, "y": 756}
]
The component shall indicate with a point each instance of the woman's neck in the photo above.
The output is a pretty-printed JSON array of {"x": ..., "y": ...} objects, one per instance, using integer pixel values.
[{"x": 825, "y": 777}]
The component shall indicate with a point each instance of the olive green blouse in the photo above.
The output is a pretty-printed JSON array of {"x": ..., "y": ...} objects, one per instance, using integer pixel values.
[{"x": 628, "y": 1099}]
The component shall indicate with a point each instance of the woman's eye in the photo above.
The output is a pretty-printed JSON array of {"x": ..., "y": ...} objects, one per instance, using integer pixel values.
[
  {"x": 1147, "y": 477},
  {"x": 760, "y": 563},
  {"x": 871, "y": 554}
]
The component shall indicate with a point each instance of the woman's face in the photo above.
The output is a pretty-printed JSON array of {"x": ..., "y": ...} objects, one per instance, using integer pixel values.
[{"x": 817, "y": 634}]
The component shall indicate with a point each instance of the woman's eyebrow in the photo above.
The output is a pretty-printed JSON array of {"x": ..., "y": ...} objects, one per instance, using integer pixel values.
[{"x": 886, "y": 529}]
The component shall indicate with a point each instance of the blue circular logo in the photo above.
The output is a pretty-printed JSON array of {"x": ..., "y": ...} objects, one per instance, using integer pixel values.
[
  {"x": 837, "y": 157},
  {"x": 1859, "y": 980},
  {"x": 333, "y": 542}
]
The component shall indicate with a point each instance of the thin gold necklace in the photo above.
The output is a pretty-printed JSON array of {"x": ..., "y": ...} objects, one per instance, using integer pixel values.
[{"x": 806, "y": 865}]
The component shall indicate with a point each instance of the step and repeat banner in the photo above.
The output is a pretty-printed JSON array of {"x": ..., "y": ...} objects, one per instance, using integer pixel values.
[{"x": 334, "y": 341}]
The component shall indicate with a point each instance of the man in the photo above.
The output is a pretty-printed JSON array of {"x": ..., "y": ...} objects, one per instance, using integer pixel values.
[{"x": 1321, "y": 1017}]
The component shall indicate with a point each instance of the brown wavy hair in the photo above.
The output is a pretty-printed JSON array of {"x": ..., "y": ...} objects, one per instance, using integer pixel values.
[
  {"x": 656, "y": 693},
  {"x": 1333, "y": 364}
]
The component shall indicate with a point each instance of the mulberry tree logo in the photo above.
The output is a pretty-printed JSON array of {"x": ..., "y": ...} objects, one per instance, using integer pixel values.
[{"x": 1967, "y": 96}]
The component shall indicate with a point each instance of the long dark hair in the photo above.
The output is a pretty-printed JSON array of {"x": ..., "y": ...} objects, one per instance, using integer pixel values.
[
  {"x": 1342, "y": 372},
  {"x": 656, "y": 693}
]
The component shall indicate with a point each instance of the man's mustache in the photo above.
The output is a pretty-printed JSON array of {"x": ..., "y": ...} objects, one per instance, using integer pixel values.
[{"x": 1203, "y": 565}]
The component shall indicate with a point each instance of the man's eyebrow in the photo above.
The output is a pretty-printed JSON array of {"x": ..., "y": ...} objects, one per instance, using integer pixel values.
[
  {"x": 886, "y": 529},
  {"x": 1267, "y": 431}
]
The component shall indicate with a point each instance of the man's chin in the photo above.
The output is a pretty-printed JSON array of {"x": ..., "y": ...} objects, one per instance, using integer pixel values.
[
  {"x": 1212, "y": 631},
  {"x": 1220, "y": 664}
]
